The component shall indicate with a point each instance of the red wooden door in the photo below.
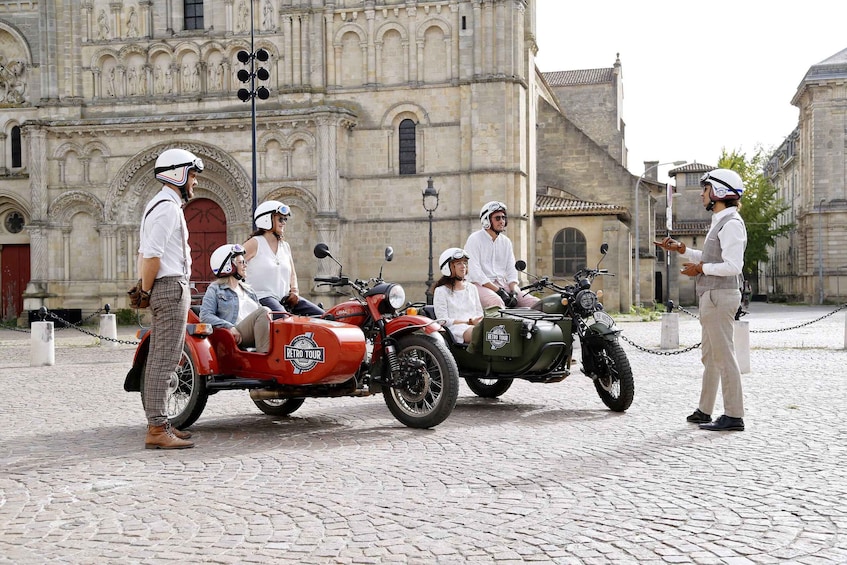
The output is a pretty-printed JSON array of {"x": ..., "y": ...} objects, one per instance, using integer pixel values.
[
  {"x": 206, "y": 232},
  {"x": 14, "y": 276}
]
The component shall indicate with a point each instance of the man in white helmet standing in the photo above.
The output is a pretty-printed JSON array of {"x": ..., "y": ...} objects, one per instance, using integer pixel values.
[
  {"x": 717, "y": 269},
  {"x": 164, "y": 266},
  {"x": 492, "y": 261}
]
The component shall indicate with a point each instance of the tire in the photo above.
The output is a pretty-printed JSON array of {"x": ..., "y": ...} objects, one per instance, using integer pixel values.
[
  {"x": 430, "y": 382},
  {"x": 614, "y": 383},
  {"x": 187, "y": 394},
  {"x": 281, "y": 407},
  {"x": 488, "y": 388}
]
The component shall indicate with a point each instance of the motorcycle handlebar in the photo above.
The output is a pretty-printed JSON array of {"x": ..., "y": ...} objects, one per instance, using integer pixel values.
[{"x": 334, "y": 281}]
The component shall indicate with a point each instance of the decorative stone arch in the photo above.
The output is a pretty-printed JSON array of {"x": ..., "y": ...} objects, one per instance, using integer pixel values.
[
  {"x": 296, "y": 196},
  {"x": 11, "y": 202},
  {"x": 223, "y": 180},
  {"x": 389, "y": 26},
  {"x": 102, "y": 55},
  {"x": 210, "y": 47},
  {"x": 385, "y": 73},
  {"x": 62, "y": 151},
  {"x": 348, "y": 28},
  {"x": 92, "y": 146},
  {"x": 391, "y": 123},
  {"x": 182, "y": 49},
  {"x": 402, "y": 110},
  {"x": 20, "y": 39},
  {"x": 157, "y": 49},
  {"x": 433, "y": 22},
  {"x": 421, "y": 49},
  {"x": 133, "y": 49},
  {"x": 71, "y": 203}
]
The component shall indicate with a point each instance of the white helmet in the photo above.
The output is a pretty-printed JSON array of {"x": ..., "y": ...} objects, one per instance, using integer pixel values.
[
  {"x": 726, "y": 184},
  {"x": 448, "y": 255},
  {"x": 221, "y": 260},
  {"x": 173, "y": 165},
  {"x": 263, "y": 216},
  {"x": 488, "y": 209}
]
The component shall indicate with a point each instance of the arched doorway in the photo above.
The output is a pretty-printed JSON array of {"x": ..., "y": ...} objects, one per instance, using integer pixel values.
[{"x": 206, "y": 232}]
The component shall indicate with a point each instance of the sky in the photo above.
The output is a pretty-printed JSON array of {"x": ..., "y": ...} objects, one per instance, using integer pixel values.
[{"x": 697, "y": 76}]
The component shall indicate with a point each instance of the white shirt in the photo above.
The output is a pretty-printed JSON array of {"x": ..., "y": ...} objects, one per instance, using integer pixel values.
[
  {"x": 733, "y": 238},
  {"x": 164, "y": 234},
  {"x": 246, "y": 305},
  {"x": 272, "y": 274},
  {"x": 456, "y": 307},
  {"x": 491, "y": 260}
]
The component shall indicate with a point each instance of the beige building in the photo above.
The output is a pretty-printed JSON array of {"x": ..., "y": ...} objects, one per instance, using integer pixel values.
[
  {"x": 368, "y": 100},
  {"x": 810, "y": 171}
]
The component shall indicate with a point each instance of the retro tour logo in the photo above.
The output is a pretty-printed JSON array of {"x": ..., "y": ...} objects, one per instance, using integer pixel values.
[
  {"x": 304, "y": 353},
  {"x": 498, "y": 337}
]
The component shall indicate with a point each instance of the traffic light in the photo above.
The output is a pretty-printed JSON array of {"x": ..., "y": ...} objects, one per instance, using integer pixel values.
[{"x": 245, "y": 76}]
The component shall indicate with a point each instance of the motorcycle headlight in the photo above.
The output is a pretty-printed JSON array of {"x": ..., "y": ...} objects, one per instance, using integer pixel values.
[
  {"x": 587, "y": 300},
  {"x": 396, "y": 296}
]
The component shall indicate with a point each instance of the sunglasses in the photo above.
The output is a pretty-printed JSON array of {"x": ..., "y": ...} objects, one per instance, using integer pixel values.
[{"x": 500, "y": 218}]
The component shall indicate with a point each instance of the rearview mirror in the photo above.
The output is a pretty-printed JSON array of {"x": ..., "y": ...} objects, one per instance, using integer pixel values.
[
  {"x": 389, "y": 253},
  {"x": 604, "y": 248},
  {"x": 520, "y": 265},
  {"x": 321, "y": 251}
]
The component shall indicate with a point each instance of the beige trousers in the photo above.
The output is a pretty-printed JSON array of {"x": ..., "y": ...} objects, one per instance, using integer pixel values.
[{"x": 720, "y": 365}]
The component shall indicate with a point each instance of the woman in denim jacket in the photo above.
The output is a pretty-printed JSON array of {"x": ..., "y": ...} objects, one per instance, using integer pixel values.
[{"x": 231, "y": 303}]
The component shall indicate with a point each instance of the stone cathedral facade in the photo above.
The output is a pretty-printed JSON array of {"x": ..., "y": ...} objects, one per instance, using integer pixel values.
[{"x": 368, "y": 101}]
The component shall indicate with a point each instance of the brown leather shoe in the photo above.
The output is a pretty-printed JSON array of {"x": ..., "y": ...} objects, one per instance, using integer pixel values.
[
  {"x": 181, "y": 434},
  {"x": 160, "y": 437}
]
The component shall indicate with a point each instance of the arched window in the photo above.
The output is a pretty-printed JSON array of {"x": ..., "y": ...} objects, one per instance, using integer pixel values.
[
  {"x": 193, "y": 14},
  {"x": 17, "y": 162},
  {"x": 408, "y": 155},
  {"x": 568, "y": 252}
]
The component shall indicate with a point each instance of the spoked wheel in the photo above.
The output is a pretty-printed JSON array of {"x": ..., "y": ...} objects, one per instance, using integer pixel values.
[
  {"x": 488, "y": 388},
  {"x": 429, "y": 382},
  {"x": 187, "y": 394},
  {"x": 281, "y": 407},
  {"x": 614, "y": 383}
]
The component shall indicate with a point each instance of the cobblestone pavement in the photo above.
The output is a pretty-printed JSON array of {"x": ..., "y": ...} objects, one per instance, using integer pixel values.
[{"x": 544, "y": 474}]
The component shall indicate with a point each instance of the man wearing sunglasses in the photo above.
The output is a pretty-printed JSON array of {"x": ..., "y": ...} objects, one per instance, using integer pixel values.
[
  {"x": 717, "y": 271},
  {"x": 164, "y": 266},
  {"x": 492, "y": 261}
]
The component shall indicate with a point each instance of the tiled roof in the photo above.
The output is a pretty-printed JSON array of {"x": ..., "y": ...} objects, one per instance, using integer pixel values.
[
  {"x": 691, "y": 168},
  {"x": 582, "y": 76},
  {"x": 556, "y": 206}
]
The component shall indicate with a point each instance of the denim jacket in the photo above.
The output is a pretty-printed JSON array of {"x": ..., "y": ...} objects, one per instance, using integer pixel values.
[{"x": 220, "y": 304}]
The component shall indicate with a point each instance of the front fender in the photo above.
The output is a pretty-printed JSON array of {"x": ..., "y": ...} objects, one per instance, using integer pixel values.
[
  {"x": 410, "y": 323},
  {"x": 601, "y": 332}
]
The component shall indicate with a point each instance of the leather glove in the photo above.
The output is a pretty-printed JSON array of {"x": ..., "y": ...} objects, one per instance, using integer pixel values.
[
  {"x": 692, "y": 269},
  {"x": 138, "y": 298},
  {"x": 513, "y": 300},
  {"x": 669, "y": 244},
  {"x": 505, "y": 296}
]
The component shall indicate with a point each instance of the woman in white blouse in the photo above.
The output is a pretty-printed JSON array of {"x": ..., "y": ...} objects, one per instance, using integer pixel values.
[{"x": 455, "y": 300}]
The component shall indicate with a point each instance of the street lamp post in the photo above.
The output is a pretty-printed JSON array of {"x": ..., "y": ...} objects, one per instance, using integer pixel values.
[
  {"x": 637, "y": 223},
  {"x": 244, "y": 94},
  {"x": 430, "y": 203},
  {"x": 820, "y": 249}
]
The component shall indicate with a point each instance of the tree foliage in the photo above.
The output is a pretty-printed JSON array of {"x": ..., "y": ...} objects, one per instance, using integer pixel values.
[{"x": 760, "y": 207}]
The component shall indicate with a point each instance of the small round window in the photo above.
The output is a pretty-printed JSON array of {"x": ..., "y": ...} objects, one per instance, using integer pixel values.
[{"x": 14, "y": 222}]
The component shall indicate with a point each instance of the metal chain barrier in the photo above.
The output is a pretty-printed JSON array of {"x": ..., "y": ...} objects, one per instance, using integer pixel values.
[
  {"x": 693, "y": 315},
  {"x": 658, "y": 351},
  {"x": 77, "y": 327},
  {"x": 839, "y": 309}
]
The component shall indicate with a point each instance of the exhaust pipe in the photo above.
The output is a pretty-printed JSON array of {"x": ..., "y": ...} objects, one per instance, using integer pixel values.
[{"x": 265, "y": 394}]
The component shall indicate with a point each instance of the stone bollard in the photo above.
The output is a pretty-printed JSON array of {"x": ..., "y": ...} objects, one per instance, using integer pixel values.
[
  {"x": 741, "y": 338},
  {"x": 42, "y": 345},
  {"x": 108, "y": 328},
  {"x": 670, "y": 331}
]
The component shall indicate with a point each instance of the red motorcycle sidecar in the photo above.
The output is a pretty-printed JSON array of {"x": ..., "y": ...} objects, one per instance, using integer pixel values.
[{"x": 308, "y": 357}]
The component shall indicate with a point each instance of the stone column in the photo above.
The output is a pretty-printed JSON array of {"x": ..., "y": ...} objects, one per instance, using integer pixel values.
[
  {"x": 327, "y": 148},
  {"x": 3, "y": 168},
  {"x": 329, "y": 51}
]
